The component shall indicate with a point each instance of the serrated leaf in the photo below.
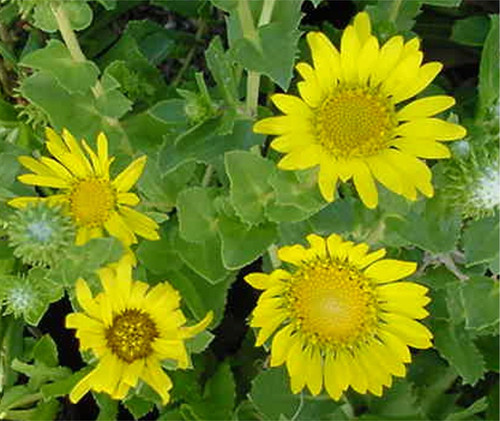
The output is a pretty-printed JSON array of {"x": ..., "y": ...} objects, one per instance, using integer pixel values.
[
  {"x": 222, "y": 71},
  {"x": 160, "y": 256},
  {"x": 272, "y": 396},
  {"x": 108, "y": 407},
  {"x": 488, "y": 345},
  {"x": 470, "y": 31},
  {"x": 249, "y": 185},
  {"x": 394, "y": 16},
  {"x": 455, "y": 344},
  {"x": 241, "y": 244},
  {"x": 56, "y": 59},
  {"x": 203, "y": 257},
  {"x": 398, "y": 402},
  {"x": 435, "y": 228},
  {"x": 273, "y": 53},
  {"x": 480, "y": 297},
  {"x": 197, "y": 215},
  {"x": 137, "y": 406},
  {"x": 218, "y": 396},
  {"x": 481, "y": 240},
  {"x": 199, "y": 343},
  {"x": 489, "y": 69}
]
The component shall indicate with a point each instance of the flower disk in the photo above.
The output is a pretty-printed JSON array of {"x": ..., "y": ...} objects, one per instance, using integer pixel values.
[
  {"x": 339, "y": 317},
  {"x": 131, "y": 328},
  {"x": 86, "y": 193},
  {"x": 349, "y": 122}
]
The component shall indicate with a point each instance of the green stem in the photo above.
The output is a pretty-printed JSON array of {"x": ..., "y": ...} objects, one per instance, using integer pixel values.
[
  {"x": 71, "y": 42},
  {"x": 250, "y": 32},
  {"x": 190, "y": 54},
  {"x": 396, "y": 5},
  {"x": 272, "y": 251},
  {"x": 209, "y": 171}
]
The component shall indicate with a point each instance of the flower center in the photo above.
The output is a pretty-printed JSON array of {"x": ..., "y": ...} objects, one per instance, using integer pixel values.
[
  {"x": 355, "y": 122},
  {"x": 40, "y": 231},
  {"x": 131, "y": 335},
  {"x": 332, "y": 303},
  {"x": 91, "y": 201}
]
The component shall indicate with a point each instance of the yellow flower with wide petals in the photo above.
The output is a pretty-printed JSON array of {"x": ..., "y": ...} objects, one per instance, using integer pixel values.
[
  {"x": 90, "y": 197},
  {"x": 352, "y": 120},
  {"x": 341, "y": 319},
  {"x": 130, "y": 327}
]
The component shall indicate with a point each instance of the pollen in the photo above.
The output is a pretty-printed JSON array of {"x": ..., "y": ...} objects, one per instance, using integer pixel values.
[
  {"x": 131, "y": 335},
  {"x": 91, "y": 202},
  {"x": 354, "y": 123},
  {"x": 332, "y": 303}
]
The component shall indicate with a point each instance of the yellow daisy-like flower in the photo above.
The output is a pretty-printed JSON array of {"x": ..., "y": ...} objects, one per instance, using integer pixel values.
[
  {"x": 93, "y": 201},
  {"x": 131, "y": 328},
  {"x": 349, "y": 121},
  {"x": 341, "y": 319}
]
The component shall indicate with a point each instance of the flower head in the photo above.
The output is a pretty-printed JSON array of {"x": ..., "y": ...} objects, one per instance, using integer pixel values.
[
  {"x": 39, "y": 233},
  {"x": 92, "y": 200},
  {"x": 130, "y": 328},
  {"x": 349, "y": 121},
  {"x": 341, "y": 319}
]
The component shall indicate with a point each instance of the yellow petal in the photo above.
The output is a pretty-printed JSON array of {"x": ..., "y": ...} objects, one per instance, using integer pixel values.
[
  {"x": 290, "y": 104},
  {"x": 301, "y": 159},
  {"x": 102, "y": 153},
  {"x": 191, "y": 331},
  {"x": 327, "y": 179},
  {"x": 141, "y": 224},
  {"x": 395, "y": 347},
  {"x": 383, "y": 171},
  {"x": 326, "y": 61},
  {"x": 362, "y": 26},
  {"x": 357, "y": 253},
  {"x": 76, "y": 151},
  {"x": 296, "y": 140},
  {"x": 259, "y": 280},
  {"x": 422, "y": 148},
  {"x": 370, "y": 258},
  {"x": 350, "y": 48},
  {"x": 41, "y": 180},
  {"x": 296, "y": 364},
  {"x": 389, "y": 270},
  {"x": 85, "y": 299},
  {"x": 129, "y": 199},
  {"x": 271, "y": 325},
  {"x": 337, "y": 375},
  {"x": 117, "y": 227},
  {"x": 432, "y": 128},
  {"x": 129, "y": 176},
  {"x": 411, "y": 332},
  {"x": 281, "y": 345},
  {"x": 358, "y": 379},
  {"x": 309, "y": 89},
  {"x": 368, "y": 57},
  {"x": 81, "y": 388},
  {"x": 317, "y": 244},
  {"x": 314, "y": 377},
  {"x": 365, "y": 185},
  {"x": 425, "y": 107},
  {"x": 36, "y": 166},
  {"x": 154, "y": 376},
  {"x": 387, "y": 59},
  {"x": 407, "y": 69},
  {"x": 425, "y": 76}
]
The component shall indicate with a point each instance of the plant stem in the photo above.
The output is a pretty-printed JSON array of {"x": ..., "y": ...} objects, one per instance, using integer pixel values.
[
  {"x": 250, "y": 33},
  {"x": 272, "y": 251},
  {"x": 190, "y": 54},
  {"x": 71, "y": 42}
]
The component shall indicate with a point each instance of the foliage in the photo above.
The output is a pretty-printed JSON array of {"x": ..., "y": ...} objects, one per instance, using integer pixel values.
[{"x": 184, "y": 82}]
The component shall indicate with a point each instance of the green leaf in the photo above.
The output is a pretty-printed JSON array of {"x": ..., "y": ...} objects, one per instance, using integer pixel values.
[
  {"x": 204, "y": 258},
  {"x": 137, "y": 406},
  {"x": 468, "y": 413},
  {"x": 197, "y": 215},
  {"x": 272, "y": 396},
  {"x": 108, "y": 407},
  {"x": 435, "y": 229},
  {"x": 296, "y": 197},
  {"x": 481, "y": 241},
  {"x": 390, "y": 17},
  {"x": 63, "y": 386},
  {"x": 471, "y": 31},
  {"x": 199, "y": 295},
  {"x": 488, "y": 345},
  {"x": 273, "y": 53},
  {"x": 398, "y": 402},
  {"x": 200, "y": 342},
  {"x": 160, "y": 256},
  {"x": 480, "y": 296},
  {"x": 218, "y": 396},
  {"x": 56, "y": 59},
  {"x": 443, "y": 3},
  {"x": 45, "y": 351},
  {"x": 455, "y": 344},
  {"x": 79, "y": 15},
  {"x": 241, "y": 244},
  {"x": 222, "y": 71},
  {"x": 250, "y": 189},
  {"x": 40, "y": 373},
  {"x": 189, "y": 8},
  {"x": 488, "y": 69}
]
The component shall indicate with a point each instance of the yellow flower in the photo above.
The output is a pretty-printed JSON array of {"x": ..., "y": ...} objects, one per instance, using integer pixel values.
[
  {"x": 349, "y": 121},
  {"x": 130, "y": 328},
  {"x": 86, "y": 192},
  {"x": 341, "y": 319}
]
